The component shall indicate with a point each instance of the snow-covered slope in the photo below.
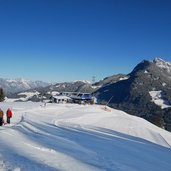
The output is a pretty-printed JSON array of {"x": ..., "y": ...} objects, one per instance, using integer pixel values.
[
  {"x": 157, "y": 98},
  {"x": 24, "y": 96},
  {"x": 81, "y": 137}
]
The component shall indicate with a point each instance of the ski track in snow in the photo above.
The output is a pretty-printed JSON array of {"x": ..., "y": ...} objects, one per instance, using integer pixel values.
[{"x": 80, "y": 137}]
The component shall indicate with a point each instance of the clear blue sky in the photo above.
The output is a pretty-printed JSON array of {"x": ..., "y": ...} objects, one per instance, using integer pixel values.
[{"x": 67, "y": 40}]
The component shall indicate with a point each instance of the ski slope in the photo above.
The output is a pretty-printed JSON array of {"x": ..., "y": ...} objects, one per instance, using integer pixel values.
[{"x": 67, "y": 137}]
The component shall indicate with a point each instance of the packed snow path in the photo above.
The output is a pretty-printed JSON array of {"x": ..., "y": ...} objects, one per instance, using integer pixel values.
[{"x": 77, "y": 137}]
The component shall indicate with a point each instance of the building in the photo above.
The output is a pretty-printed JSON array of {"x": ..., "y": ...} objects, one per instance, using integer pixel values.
[{"x": 60, "y": 99}]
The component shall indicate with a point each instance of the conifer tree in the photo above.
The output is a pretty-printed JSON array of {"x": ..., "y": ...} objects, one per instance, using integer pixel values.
[{"x": 2, "y": 96}]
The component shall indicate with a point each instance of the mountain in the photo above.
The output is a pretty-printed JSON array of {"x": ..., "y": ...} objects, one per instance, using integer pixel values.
[
  {"x": 77, "y": 86},
  {"x": 36, "y": 94},
  {"x": 146, "y": 92},
  {"x": 11, "y": 86},
  {"x": 110, "y": 80}
]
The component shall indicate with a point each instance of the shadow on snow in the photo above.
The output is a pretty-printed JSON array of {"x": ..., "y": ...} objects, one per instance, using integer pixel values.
[{"x": 99, "y": 147}]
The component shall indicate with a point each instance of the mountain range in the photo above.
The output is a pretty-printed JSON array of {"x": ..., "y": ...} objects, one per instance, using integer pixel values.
[
  {"x": 11, "y": 86},
  {"x": 144, "y": 92}
]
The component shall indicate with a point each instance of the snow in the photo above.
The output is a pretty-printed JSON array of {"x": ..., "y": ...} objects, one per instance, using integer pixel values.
[
  {"x": 60, "y": 97},
  {"x": 53, "y": 93},
  {"x": 83, "y": 81},
  {"x": 10, "y": 99},
  {"x": 11, "y": 81},
  {"x": 158, "y": 99},
  {"x": 164, "y": 84},
  {"x": 28, "y": 95},
  {"x": 162, "y": 64},
  {"x": 96, "y": 87},
  {"x": 123, "y": 78},
  {"x": 80, "y": 137}
]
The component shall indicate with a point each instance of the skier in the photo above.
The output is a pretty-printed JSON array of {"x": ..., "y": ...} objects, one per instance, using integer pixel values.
[
  {"x": 1, "y": 117},
  {"x": 9, "y": 115}
]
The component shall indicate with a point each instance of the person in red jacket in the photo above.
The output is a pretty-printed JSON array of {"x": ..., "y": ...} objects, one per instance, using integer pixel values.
[{"x": 9, "y": 115}]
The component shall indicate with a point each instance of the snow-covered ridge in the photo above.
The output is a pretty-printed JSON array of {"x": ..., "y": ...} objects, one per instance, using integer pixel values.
[
  {"x": 96, "y": 87},
  {"x": 83, "y": 81},
  {"x": 163, "y": 64},
  {"x": 124, "y": 78}
]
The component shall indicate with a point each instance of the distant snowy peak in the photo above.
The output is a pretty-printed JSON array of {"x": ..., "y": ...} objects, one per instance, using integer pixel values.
[
  {"x": 20, "y": 84},
  {"x": 163, "y": 64},
  {"x": 159, "y": 60},
  {"x": 83, "y": 81}
]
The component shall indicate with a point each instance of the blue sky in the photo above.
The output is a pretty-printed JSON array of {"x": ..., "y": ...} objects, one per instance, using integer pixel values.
[{"x": 67, "y": 40}]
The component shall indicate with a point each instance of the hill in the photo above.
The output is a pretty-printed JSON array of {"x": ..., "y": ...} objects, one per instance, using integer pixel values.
[{"x": 78, "y": 137}]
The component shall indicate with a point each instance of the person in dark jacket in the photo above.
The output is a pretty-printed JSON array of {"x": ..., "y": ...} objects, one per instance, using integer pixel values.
[
  {"x": 9, "y": 115},
  {"x": 1, "y": 117}
]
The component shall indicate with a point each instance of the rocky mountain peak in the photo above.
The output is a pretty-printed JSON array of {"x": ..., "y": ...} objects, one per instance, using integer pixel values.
[
  {"x": 141, "y": 67},
  {"x": 162, "y": 64}
]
